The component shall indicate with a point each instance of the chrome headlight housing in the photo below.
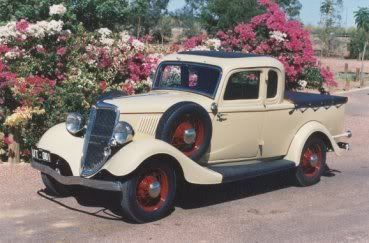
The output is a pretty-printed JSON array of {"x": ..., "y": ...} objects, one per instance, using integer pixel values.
[
  {"x": 123, "y": 133},
  {"x": 74, "y": 123}
]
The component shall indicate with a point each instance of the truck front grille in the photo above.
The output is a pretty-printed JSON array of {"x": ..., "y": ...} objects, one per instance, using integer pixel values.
[{"x": 101, "y": 123}]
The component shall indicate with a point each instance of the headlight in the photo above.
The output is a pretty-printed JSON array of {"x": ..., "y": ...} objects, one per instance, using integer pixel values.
[
  {"x": 123, "y": 133},
  {"x": 74, "y": 123}
]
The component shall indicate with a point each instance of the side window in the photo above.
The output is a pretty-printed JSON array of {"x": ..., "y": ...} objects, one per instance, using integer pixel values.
[
  {"x": 272, "y": 84},
  {"x": 243, "y": 86}
]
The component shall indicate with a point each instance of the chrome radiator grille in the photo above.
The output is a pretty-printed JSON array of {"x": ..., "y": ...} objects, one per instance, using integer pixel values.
[{"x": 101, "y": 123}]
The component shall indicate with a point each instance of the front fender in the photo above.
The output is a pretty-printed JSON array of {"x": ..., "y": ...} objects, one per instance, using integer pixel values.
[
  {"x": 131, "y": 156},
  {"x": 58, "y": 140},
  {"x": 299, "y": 140}
]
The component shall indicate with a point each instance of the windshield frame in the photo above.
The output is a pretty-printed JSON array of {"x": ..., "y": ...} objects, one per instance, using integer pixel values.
[{"x": 158, "y": 74}]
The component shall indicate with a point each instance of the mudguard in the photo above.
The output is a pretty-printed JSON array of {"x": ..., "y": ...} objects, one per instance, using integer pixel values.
[
  {"x": 299, "y": 140},
  {"x": 57, "y": 140},
  {"x": 128, "y": 158}
]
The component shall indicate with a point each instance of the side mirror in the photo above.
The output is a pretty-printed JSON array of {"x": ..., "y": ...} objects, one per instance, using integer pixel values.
[{"x": 214, "y": 108}]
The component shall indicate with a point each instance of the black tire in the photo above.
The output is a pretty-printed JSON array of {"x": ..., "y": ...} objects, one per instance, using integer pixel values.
[
  {"x": 173, "y": 117},
  {"x": 133, "y": 204},
  {"x": 310, "y": 170},
  {"x": 53, "y": 187}
]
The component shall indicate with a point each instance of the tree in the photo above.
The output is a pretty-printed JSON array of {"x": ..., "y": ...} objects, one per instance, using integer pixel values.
[
  {"x": 163, "y": 29},
  {"x": 291, "y": 7},
  {"x": 362, "y": 23},
  {"x": 330, "y": 20},
  {"x": 222, "y": 14},
  {"x": 92, "y": 13},
  {"x": 188, "y": 20},
  {"x": 145, "y": 14}
]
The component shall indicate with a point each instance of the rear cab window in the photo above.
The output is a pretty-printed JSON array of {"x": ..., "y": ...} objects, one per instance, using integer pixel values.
[{"x": 243, "y": 85}]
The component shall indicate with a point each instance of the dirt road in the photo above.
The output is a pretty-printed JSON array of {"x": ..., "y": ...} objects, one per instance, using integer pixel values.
[{"x": 263, "y": 210}]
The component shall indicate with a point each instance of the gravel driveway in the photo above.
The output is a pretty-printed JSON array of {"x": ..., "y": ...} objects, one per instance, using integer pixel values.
[{"x": 259, "y": 210}]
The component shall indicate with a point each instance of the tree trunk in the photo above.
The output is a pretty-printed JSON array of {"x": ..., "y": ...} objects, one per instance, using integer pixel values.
[
  {"x": 14, "y": 152},
  {"x": 362, "y": 65},
  {"x": 138, "y": 27}
]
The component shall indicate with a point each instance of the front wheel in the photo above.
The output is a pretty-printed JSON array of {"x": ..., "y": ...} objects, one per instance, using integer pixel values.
[
  {"x": 148, "y": 194},
  {"x": 312, "y": 162}
]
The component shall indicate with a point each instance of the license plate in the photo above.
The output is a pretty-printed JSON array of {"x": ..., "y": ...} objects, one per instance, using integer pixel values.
[{"x": 42, "y": 155}]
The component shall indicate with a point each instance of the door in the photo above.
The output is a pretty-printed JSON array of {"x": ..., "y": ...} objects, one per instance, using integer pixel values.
[{"x": 238, "y": 124}]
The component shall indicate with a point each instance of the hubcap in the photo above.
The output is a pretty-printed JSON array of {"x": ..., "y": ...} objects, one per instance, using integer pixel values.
[
  {"x": 314, "y": 160},
  {"x": 189, "y": 136},
  {"x": 311, "y": 160},
  {"x": 152, "y": 190}
]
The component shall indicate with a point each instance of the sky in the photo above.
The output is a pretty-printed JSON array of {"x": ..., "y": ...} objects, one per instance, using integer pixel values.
[{"x": 310, "y": 10}]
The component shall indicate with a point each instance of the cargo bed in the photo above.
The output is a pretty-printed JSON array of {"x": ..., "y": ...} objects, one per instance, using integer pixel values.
[{"x": 306, "y": 100}]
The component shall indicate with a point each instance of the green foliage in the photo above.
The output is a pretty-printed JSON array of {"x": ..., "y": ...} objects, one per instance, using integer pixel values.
[
  {"x": 330, "y": 20},
  {"x": 216, "y": 15},
  {"x": 291, "y": 7},
  {"x": 356, "y": 44},
  {"x": 145, "y": 14},
  {"x": 100, "y": 13},
  {"x": 313, "y": 77},
  {"x": 92, "y": 13},
  {"x": 362, "y": 19},
  {"x": 223, "y": 14}
]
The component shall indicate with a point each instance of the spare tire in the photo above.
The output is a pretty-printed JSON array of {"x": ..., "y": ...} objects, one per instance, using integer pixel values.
[{"x": 187, "y": 126}]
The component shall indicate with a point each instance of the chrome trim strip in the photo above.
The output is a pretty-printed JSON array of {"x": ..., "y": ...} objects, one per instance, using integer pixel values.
[{"x": 346, "y": 134}]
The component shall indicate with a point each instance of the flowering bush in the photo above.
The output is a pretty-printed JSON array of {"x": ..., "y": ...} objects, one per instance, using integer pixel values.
[
  {"x": 46, "y": 70},
  {"x": 272, "y": 34}
]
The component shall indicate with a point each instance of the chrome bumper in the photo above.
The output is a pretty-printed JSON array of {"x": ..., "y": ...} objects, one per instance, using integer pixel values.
[{"x": 77, "y": 180}]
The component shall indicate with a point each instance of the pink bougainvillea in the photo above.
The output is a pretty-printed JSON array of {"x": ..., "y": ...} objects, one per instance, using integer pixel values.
[
  {"x": 273, "y": 34},
  {"x": 22, "y": 26},
  {"x": 33, "y": 89},
  {"x": 194, "y": 41}
]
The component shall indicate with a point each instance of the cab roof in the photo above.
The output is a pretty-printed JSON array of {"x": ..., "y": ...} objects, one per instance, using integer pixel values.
[{"x": 226, "y": 60}]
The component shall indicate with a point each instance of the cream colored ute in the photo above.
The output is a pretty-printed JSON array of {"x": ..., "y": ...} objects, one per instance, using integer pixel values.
[{"x": 210, "y": 118}]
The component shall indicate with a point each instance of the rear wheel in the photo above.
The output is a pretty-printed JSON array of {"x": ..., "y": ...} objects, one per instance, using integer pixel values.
[
  {"x": 312, "y": 162},
  {"x": 148, "y": 194}
]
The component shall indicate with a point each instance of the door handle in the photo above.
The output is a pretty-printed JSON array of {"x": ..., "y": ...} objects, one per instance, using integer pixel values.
[{"x": 221, "y": 117}]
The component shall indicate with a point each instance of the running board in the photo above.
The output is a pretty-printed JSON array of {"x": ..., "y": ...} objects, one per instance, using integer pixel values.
[{"x": 243, "y": 171}]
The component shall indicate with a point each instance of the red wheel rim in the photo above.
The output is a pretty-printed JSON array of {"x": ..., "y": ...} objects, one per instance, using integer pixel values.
[
  {"x": 178, "y": 134},
  {"x": 145, "y": 200},
  {"x": 312, "y": 159}
]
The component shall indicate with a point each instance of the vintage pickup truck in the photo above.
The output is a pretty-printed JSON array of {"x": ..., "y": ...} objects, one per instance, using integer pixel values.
[{"x": 211, "y": 118}]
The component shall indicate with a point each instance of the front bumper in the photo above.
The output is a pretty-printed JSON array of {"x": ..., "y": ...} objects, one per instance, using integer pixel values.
[{"x": 77, "y": 180}]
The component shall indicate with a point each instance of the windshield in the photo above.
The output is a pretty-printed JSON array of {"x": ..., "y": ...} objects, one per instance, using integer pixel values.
[{"x": 197, "y": 78}]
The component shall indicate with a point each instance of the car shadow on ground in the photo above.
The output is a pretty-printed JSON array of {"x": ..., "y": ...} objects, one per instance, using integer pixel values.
[
  {"x": 197, "y": 196},
  {"x": 190, "y": 196}
]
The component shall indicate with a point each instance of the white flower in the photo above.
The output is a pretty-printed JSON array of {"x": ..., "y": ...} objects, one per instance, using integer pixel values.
[
  {"x": 11, "y": 55},
  {"x": 303, "y": 83},
  {"x": 200, "y": 48},
  {"x": 54, "y": 27},
  {"x": 138, "y": 45},
  {"x": 278, "y": 36},
  {"x": 104, "y": 32},
  {"x": 57, "y": 9},
  {"x": 107, "y": 41},
  {"x": 213, "y": 44},
  {"x": 43, "y": 28},
  {"x": 124, "y": 36}
]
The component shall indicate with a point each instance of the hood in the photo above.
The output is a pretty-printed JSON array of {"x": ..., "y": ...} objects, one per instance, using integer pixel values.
[{"x": 157, "y": 101}]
